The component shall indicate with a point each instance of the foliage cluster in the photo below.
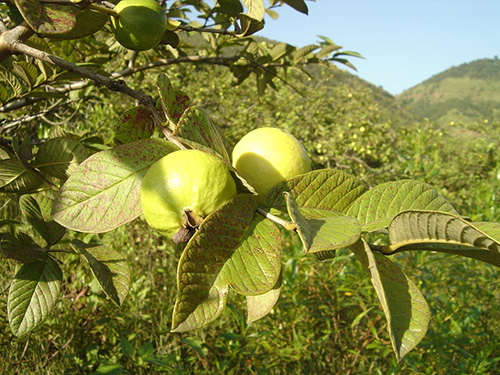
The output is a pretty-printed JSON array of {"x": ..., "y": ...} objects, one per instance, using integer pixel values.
[{"x": 317, "y": 318}]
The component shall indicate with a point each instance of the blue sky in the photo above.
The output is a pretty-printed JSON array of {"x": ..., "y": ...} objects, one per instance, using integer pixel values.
[{"x": 403, "y": 42}]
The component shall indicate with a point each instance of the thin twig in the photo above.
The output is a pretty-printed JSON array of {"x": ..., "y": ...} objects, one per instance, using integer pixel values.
[{"x": 206, "y": 30}]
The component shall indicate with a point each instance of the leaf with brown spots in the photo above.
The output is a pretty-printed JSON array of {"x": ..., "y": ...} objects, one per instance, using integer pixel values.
[
  {"x": 135, "y": 124},
  {"x": 103, "y": 193},
  {"x": 62, "y": 21}
]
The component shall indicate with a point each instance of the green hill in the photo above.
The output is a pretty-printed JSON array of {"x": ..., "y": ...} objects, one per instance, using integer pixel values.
[{"x": 465, "y": 93}]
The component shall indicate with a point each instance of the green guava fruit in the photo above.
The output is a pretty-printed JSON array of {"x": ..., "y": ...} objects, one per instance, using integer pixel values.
[
  {"x": 183, "y": 187},
  {"x": 140, "y": 24},
  {"x": 267, "y": 156}
]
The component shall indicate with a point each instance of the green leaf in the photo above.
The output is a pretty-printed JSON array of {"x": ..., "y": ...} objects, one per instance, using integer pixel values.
[
  {"x": 280, "y": 50},
  {"x": 256, "y": 9},
  {"x": 376, "y": 208},
  {"x": 320, "y": 233},
  {"x": 50, "y": 231},
  {"x": 60, "y": 157},
  {"x": 405, "y": 308},
  {"x": 201, "y": 292},
  {"x": 260, "y": 305},
  {"x": 249, "y": 25},
  {"x": 173, "y": 102},
  {"x": 444, "y": 232},
  {"x": 21, "y": 248},
  {"x": 298, "y": 5},
  {"x": 33, "y": 294},
  {"x": 195, "y": 125},
  {"x": 103, "y": 192},
  {"x": 109, "y": 267},
  {"x": 15, "y": 178},
  {"x": 325, "y": 189},
  {"x": 135, "y": 124},
  {"x": 255, "y": 265},
  {"x": 26, "y": 71},
  {"x": 64, "y": 21},
  {"x": 12, "y": 87}
]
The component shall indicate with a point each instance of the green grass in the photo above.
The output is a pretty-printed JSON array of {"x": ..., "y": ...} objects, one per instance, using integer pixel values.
[{"x": 327, "y": 321}]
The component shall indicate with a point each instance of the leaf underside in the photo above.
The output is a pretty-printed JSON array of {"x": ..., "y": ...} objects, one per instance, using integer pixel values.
[
  {"x": 445, "y": 232},
  {"x": 33, "y": 294},
  {"x": 109, "y": 267},
  {"x": 104, "y": 191},
  {"x": 376, "y": 207},
  {"x": 201, "y": 288},
  {"x": 405, "y": 308}
]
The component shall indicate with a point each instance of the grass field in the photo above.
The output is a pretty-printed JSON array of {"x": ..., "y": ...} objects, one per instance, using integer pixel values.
[{"x": 327, "y": 321}]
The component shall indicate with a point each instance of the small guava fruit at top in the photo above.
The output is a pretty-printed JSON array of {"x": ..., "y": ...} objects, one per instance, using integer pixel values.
[
  {"x": 267, "y": 156},
  {"x": 184, "y": 182},
  {"x": 140, "y": 24}
]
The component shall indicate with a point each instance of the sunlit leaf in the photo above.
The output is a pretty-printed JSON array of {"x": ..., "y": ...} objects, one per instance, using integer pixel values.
[
  {"x": 33, "y": 294},
  {"x": 405, "y": 308},
  {"x": 256, "y": 9},
  {"x": 195, "y": 125},
  {"x": 260, "y": 305},
  {"x": 444, "y": 232},
  {"x": 319, "y": 233},
  {"x": 324, "y": 189},
  {"x": 255, "y": 265},
  {"x": 103, "y": 192},
  {"x": 198, "y": 274},
  {"x": 376, "y": 207}
]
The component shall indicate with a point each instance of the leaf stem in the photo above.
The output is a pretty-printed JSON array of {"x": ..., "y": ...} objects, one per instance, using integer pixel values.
[
  {"x": 285, "y": 224},
  {"x": 386, "y": 250}
]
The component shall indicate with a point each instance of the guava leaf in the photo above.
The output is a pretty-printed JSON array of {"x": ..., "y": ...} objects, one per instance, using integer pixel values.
[
  {"x": 15, "y": 178},
  {"x": 320, "y": 233},
  {"x": 20, "y": 248},
  {"x": 109, "y": 267},
  {"x": 173, "y": 102},
  {"x": 199, "y": 279},
  {"x": 45, "y": 201},
  {"x": 376, "y": 207},
  {"x": 33, "y": 294},
  {"x": 255, "y": 8},
  {"x": 195, "y": 125},
  {"x": 50, "y": 231},
  {"x": 260, "y": 305},
  {"x": 135, "y": 124},
  {"x": 59, "y": 157},
  {"x": 405, "y": 308},
  {"x": 103, "y": 192},
  {"x": 64, "y": 21},
  {"x": 255, "y": 265},
  {"x": 298, "y": 5},
  {"x": 444, "y": 232},
  {"x": 323, "y": 189}
]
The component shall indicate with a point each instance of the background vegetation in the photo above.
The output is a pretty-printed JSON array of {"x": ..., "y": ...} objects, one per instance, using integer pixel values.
[{"x": 327, "y": 319}]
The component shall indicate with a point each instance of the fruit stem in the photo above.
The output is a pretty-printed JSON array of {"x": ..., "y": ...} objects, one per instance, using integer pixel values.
[
  {"x": 285, "y": 224},
  {"x": 102, "y": 9}
]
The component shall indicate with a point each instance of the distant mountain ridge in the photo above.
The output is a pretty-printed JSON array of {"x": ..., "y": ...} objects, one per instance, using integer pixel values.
[{"x": 464, "y": 93}]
